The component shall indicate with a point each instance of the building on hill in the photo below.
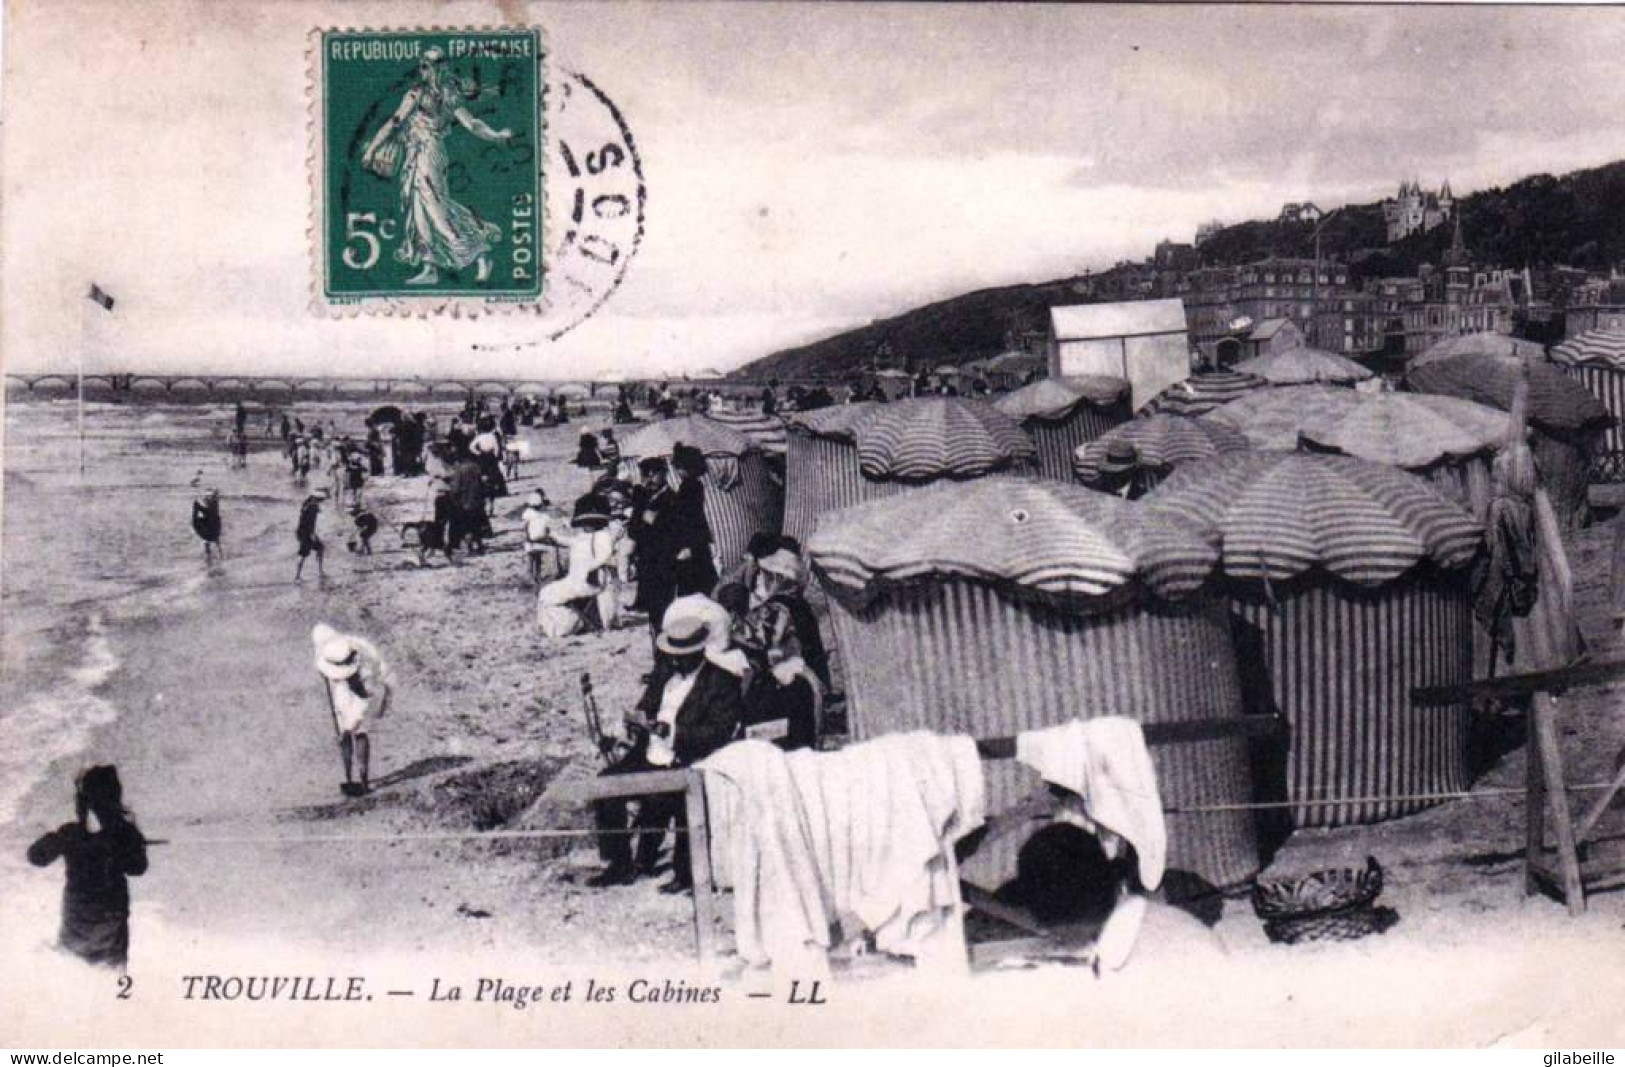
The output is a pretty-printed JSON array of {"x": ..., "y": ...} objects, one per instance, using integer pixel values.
[
  {"x": 1304, "y": 212},
  {"x": 1175, "y": 256},
  {"x": 1206, "y": 230},
  {"x": 1144, "y": 342},
  {"x": 1288, "y": 288},
  {"x": 1271, "y": 336},
  {"x": 1353, "y": 324},
  {"x": 1415, "y": 210}
]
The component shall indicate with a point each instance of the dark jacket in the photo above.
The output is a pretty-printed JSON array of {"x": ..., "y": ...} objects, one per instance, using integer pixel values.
[
  {"x": 206, "y": 519},
  {"x": 692, "y": 530},
  {"x": 710, "y": 715}
]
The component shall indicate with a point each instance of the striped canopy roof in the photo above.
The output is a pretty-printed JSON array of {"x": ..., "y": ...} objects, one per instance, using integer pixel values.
[
  {"x": 1281, "y": 514},
  {"x": 940, "y": 437},
  {"x": 1557, "y": 403},
  {"x": 1603, "y": 347},
  {"x": 1304, "y": 366},
  {"x": 1161, "y": 441},
  {"x": 1273, "y": 418},
  {"x": 838, "y": 421},
  {"x": 707, "y": 435},
  {"x": 1480, "y": 344},
  {"x": 1016, "y": 361},
  {"x": 1201, "y": 393},
  {"x": 766, "y": 431},
  {"x": 1410, "y": 430},
  {"x": 1036, "y": 536},
  {"x": 1051, "y": 399}
]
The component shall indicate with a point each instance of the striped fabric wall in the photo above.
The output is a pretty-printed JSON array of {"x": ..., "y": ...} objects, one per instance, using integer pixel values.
[
  {"x": 1341, "y": 666},
  {"x": 821, "y": 474},
  {"x": 1608, "y": 385},
  {"x": 1057, "y": 439},
  {"x": 735, "y": 514},
  {"x": 960, "y": 657}
]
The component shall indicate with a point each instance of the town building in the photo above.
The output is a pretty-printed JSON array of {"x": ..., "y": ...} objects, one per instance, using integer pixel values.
[
  {"x": 1206, "y": 230},
  {"x": 1415, "y": 210},
  {"x": 1304, "y": 212},
  {"x": 1271, "y": 336}
]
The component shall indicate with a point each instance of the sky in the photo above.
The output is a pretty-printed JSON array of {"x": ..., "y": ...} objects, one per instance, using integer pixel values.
[{"x": 808, "y": 168}]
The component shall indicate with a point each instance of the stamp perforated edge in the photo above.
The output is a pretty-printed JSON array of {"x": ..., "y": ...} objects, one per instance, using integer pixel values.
[{"x": 429, "y": 304}]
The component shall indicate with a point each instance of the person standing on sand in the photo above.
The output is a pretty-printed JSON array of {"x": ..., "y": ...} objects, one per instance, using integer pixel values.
[
  {"x": 358, "y": 684},
  {"x": 309, "y": 540},
  {"x": 206, "y": 524},
  {"x": 102, "y": 849}
]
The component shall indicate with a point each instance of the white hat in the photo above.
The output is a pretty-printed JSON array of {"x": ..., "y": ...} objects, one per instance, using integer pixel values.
[{"x": 338, "y": 659}]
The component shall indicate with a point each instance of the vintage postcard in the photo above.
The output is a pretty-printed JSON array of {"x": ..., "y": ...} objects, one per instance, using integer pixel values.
[{"x": 544, "y": 524}]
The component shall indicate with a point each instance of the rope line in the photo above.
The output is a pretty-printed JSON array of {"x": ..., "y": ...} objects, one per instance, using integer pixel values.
[{"x": 523, "y": 835}]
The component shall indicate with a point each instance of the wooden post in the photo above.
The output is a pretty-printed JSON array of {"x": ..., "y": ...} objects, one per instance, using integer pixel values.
[
  {"x": 1544, "y": 713},
  {"x": 699, "y": 865},
  {"x": 1534, "y": 805}
]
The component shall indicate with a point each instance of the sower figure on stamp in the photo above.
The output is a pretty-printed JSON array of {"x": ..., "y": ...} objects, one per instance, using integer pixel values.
[
  {"x": 690, "y": 708},
  {"x": 436, "y": 231}
]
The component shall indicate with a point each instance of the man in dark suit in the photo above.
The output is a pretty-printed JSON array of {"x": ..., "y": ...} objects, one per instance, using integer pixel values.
[{"x": 691, "y": 708}]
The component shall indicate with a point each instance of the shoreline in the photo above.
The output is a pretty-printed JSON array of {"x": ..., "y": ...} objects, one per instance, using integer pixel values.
[{"x": 224, "y": 749}]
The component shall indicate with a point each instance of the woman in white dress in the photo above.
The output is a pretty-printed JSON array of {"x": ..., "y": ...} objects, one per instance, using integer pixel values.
[
  {"x": 436, "y": 231},
  {"x": 590, "y": 577}
]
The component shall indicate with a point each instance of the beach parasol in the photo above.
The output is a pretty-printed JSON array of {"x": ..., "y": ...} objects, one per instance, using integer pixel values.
[
  {"x": 1160, "y": 442},
  {"x": 1279, "y": 514},
  {"x": 1557, "y": 403},
  {"x": 386, "y": 415},
  {"x": 1272, "y": 418},
  {"x": 765, "y": 431},
  {"x": 1304, "y": 366},
  {"x": 838, "y": 421},
  {"x": 1409, "y": 430},
  {"x": 1202, "y": 393},
  {"x": 1602, "y": 347},
  {"x": 707, "y": 435},
  {"x": 1058, "y": 540},
  {"x": 946, "y": 368},
  {"x": 573, "y": 390},
  {"x": 1480, "y": 344},
  {"x": 1052, "y": 399},
  {"x": 933, "y": 437},
  {"x": 891, "y": 372}
]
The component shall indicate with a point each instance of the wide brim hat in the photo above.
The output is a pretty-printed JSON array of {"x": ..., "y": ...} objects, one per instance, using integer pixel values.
[
  {"x": 338, "y": 659},
  {"x": 683, "y": 635},
  {"x": 536, "y": 499}
]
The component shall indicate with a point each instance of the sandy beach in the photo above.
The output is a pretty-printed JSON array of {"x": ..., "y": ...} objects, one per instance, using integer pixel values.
[{"x": 227, "y": 754}]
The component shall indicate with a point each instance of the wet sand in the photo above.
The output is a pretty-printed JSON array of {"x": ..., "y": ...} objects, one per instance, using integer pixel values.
[{"x": 226, "y": 749}]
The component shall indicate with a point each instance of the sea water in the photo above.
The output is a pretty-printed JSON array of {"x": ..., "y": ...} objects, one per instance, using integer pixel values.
[{"x": 87, "y": 558}]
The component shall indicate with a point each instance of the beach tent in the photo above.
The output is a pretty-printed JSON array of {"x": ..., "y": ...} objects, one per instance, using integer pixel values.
[
  {"x": 821, "y": 464},
  {"x": 1304, "y": 366},
  {"x": 765, "y": 431},
  {"x": 1060, "y": 414},
  {"x": 929, "y": 438},
  {"x": 996, "y": 606},
  {"x": 1143, "y": 341},
  {"x": 1009, "y": 369},
  {"x": 1447, "y": 440},
  {"x": 1349, "y": 584},
  {"x": 740, "y": 500},
  {"x": 1567, "y": 421},
  {"x": 1203, "y": 392},
  {"x": 384, "y": 415},
  {"x": 1597, "y": 359},
  {"x": 1483, "y": 343},
  {"x": 1161, "y": 442}
]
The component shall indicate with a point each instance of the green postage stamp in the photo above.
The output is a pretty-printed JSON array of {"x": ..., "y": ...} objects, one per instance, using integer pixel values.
[{"x": 428, "y": 155}]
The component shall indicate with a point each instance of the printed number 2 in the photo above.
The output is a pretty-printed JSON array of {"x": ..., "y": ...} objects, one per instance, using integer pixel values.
[
  {"x": 366, "y": 255},
  {"x": 125, "y": 984}
]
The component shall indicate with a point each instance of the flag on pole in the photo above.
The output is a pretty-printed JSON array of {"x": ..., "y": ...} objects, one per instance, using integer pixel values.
[{"x": 101, "y": 296}]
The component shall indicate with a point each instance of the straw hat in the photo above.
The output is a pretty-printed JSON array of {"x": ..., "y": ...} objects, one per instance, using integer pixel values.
[
  {"x": 536, "y": 499},
  {"x": 1120, "y": 456},
  {"x": 338, "y": 659},
  {"x": 683, "y": 635}
]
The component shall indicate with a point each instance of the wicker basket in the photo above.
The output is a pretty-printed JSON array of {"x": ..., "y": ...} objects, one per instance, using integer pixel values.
[{"x": 1322, "y": 893}]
